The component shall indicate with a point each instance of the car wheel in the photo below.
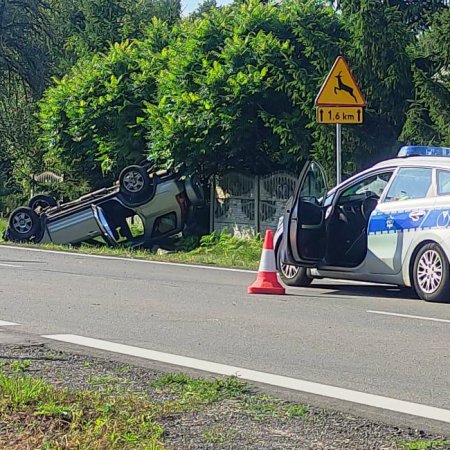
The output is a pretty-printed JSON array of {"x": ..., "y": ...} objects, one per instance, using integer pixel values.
[
  {"x": 134, "y": 181},
  {"x": 292, "y": 275},
  {"x": 431, "y": 274},
  {"x": 24, "y": 224},
  {"x": 41, "y": 202}
]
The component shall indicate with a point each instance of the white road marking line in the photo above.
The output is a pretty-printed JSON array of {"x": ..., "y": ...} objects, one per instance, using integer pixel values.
[
  {"x": 164, "y": 263},
  {"x": 362, "y": 398},
  {"x": 10, "y": 265},
  {"x": 3, "y": 323},
  {"x": 407, "y": 316},
  {"x": 119, "y": 258}
]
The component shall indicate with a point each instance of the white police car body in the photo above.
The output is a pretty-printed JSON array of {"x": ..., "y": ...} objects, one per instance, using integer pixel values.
[{"x": 387, "y": 224}]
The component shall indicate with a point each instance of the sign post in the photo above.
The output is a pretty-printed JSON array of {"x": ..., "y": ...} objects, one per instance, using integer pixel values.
[
  {"x": 341, "y": 102},
  {"x": 338, "y": 153}
]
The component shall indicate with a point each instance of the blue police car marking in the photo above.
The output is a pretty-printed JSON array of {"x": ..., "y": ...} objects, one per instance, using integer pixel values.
[{"x": 401, "y": 221}]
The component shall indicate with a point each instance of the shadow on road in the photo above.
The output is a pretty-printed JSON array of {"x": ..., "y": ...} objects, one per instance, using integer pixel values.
[{"x": 381, "y": 291}]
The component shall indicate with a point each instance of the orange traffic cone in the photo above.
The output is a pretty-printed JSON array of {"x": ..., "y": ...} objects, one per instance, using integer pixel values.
[{"x": 267, "y": 281}]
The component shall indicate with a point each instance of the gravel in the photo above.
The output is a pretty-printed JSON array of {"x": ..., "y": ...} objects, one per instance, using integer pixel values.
[{"x": 252, "y": 421}]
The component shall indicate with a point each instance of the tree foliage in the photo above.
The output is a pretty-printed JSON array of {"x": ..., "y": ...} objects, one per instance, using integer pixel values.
[
  {"x": 229, "y": 86},
  {"x": 90, "y": 117},
  {"x": 43, "y": 38}
]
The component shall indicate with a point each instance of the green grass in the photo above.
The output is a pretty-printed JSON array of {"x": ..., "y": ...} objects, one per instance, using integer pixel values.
[
  {"x": 214, "y": 249},
  {"x": 425, "y": 444},
  {"x": 39, "y": 415},
  {"x": 261, "y": 407},
  {"x": 106, "y": 379},
  {"x": 191, "y": 392},
  {"x": 59, "y": 418},
  {"x": 20, "y": 365},
  {"x": 218, "y": 435},
  {"x": 3, "y": 225}
]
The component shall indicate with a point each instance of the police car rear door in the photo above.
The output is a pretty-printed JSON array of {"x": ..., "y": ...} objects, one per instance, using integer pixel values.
[
  {"x": 404, "y": 211},
  {"x": 304, "y": 222}
]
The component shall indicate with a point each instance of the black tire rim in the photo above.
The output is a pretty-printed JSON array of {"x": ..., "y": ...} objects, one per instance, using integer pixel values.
[
  {"x": 133, "y": 181},
  {"x": 22, "y": 223}
]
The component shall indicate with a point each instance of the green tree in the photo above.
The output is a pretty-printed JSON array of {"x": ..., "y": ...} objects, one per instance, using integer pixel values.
[
  {"x": 239, "y": 89},
  {"x": 203, "y": 8},
  {"x": 90, "y": 117},
  {"x": 85, "y": 27},
  {"x": 377, "y": 47},
  {"x": 428, "y": 117}
]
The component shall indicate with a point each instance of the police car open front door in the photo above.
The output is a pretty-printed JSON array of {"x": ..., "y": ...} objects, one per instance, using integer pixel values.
[{"x": 304, "y": 220}]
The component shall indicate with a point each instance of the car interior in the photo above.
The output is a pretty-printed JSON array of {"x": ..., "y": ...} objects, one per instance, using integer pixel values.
[
  {"x": 339, "y": 239},
  {"x": 347, "y": 226}
]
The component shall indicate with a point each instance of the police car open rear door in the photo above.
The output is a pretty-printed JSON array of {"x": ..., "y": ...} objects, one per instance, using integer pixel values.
[{"x": 304, "y": 223}]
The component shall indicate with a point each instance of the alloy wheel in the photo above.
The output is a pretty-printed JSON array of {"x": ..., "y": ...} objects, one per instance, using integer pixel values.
[
  {"x": 133, "y": 181},
  {"x": 289, "y": 271},
  {"x": 429, "y": 271},
  {"x": 22, "y": 223}
]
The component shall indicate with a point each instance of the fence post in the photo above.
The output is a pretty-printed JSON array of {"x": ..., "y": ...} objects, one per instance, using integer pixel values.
[
  {"x": 212, "y": 205},
  {"x": 257, "y": 203}
]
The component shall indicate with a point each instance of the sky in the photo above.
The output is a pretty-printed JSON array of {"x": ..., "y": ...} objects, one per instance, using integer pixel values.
[{"x": 190, "y": 5}]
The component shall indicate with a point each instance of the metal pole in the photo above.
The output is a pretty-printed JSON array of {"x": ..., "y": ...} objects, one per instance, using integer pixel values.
[
  {"x": 212, "y": 203},
  {"x": 338, "y": 153}
]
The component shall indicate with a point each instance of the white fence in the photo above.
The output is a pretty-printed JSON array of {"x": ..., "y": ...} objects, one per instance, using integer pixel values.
[{"x": 243, "y": 204}]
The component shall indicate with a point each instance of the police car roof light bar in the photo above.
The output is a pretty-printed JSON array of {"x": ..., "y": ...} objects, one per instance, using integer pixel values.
[{"x": 423, "y": 150}]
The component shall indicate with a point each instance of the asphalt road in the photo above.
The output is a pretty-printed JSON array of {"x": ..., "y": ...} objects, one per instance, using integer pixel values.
[{"x": 323, "y": 334}]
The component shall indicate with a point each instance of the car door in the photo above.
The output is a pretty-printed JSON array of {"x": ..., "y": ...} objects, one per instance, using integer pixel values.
[
  {"x": 304, "y": 221},
  {"x": 401, "y": 214}
]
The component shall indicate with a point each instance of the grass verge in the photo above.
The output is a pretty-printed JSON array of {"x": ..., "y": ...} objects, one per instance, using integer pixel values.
[
  {"x": 51, "y": 399},
  {"x": 35, "y": 414},
  {"x": 222, "y": 250},
  {"x": 425, "y": 444}
]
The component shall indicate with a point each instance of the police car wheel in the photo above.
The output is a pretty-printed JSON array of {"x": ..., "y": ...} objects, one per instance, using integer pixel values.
[
  {"x": 431, "y": 274},
  {"x": 292, "y": 275}
]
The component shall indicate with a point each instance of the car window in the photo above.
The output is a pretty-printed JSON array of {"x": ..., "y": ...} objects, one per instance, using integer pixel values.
[
  {"x": 443, "y": 179},
  {"x": 374, "y": 184},
  {"x": 410, "y": 183},
  {"x": 314, "y": 186}
]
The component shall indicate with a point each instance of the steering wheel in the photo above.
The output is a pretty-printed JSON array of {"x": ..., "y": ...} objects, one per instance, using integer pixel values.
[{"x": 369, "y": 204}]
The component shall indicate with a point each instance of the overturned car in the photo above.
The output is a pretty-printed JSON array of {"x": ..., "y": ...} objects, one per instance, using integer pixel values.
[{"x": 163, "y": 201}]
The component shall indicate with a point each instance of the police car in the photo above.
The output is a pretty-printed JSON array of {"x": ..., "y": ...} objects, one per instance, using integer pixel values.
[{"x": 388, "y": 224}]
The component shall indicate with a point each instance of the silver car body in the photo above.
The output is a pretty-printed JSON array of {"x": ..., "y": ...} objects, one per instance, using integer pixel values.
[
  {"x": 164, "y": 210},
  {"x": 396, "y": 229}
]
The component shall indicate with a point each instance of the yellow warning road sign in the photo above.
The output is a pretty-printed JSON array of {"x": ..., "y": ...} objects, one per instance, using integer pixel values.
[
  {"x": 340, "y": 88},
  {"x": 340, "y": 114}
]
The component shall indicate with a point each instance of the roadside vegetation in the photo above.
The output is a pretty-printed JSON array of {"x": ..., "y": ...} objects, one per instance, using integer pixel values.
[
  {"x": 60, "y": 418},
  {"x": 87, "y": 88},
  {"x": 51, "y": 400}
]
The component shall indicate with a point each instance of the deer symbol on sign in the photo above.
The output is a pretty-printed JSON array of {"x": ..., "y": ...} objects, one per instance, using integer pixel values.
[{"x": 343, "y": 87}]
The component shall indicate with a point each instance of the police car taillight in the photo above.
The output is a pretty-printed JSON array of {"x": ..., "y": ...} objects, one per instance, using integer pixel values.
[{"x": 423, "y": 150}]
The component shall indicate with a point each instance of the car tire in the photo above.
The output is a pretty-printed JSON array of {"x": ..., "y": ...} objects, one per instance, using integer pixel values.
[
  {"x": 42, "y": 201},
  {"x": 431, "y": 274},
  {"x": 194, "y": 191},
  {"x": 24, "y": 224},
  {"x": 292, "y": 275},
  {"x": 134, "y": 182}
]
